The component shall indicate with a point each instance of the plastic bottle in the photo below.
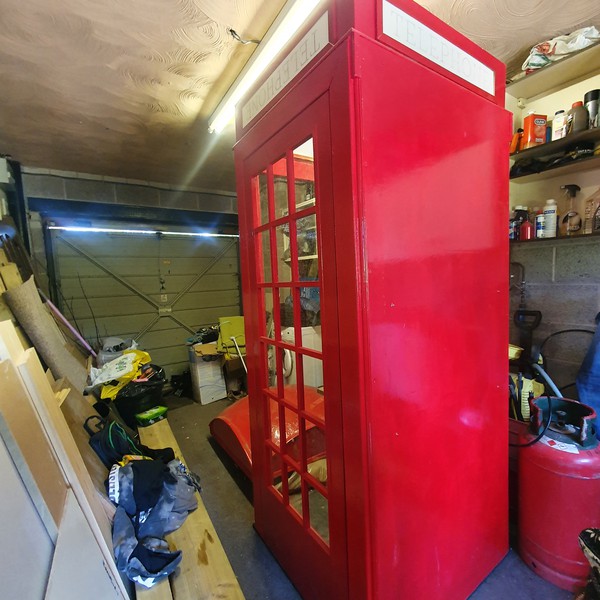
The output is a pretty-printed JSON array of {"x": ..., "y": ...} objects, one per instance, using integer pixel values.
[
  {"x": 539, "y": 223},
  {"x": 517, "y": 141},
  {"x": 550, "y": 218},
  {"x": 559, "y": 125},
  {"x": 526, "y": 230},
  {"x": 511, "y": 224},
  {"x": 577, "y": 118},
  {"x": 521, "y": 215}
]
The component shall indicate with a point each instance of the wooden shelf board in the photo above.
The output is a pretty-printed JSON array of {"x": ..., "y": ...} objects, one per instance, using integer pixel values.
[
  {"x": 558, "y": 146},
  {"x": 577, "y": 166},
  {"x": 571, "y": 69}
]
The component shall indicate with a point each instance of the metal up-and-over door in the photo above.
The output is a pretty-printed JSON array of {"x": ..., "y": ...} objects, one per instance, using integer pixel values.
[{"x": 157, "y": 289}]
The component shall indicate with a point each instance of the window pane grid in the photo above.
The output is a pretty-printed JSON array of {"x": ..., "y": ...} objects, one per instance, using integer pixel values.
[{"x": 290, "y": 336}]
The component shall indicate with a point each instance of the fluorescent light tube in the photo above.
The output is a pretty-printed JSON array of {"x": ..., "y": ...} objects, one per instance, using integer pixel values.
[
  {"x": 292, "y": 16},
  {"x": 143, "y": 231}
]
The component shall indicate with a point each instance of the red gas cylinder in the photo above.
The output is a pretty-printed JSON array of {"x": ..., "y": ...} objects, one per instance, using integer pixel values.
[{"x": 559, "y": 489}]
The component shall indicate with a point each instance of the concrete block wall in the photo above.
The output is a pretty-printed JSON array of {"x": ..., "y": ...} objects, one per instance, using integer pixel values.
[
  {"x": 66, "y": 185},
  {"x": 562, "y": 280}
]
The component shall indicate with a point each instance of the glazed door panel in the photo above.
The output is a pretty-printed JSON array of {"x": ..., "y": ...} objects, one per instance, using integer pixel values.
[{"x": 292, "y": 341}]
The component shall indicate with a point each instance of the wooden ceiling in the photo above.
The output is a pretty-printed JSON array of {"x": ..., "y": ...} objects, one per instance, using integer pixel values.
[{"x": 125, "y": 89}]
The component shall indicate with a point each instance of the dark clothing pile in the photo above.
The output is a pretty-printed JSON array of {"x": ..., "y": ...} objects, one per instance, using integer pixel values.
[{"x": 153, "y": 499}]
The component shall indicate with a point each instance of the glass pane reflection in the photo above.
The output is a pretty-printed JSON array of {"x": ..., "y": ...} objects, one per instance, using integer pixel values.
[
  {"x": 264, "y": 202},
  {"x": 280, "y": 186},
  {"x": 304, "y": 172},
  {"x": 265, "y": 250}
]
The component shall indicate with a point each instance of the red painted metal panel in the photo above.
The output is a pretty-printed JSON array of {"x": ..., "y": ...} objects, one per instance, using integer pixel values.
[{"x": 436, "y": 256}]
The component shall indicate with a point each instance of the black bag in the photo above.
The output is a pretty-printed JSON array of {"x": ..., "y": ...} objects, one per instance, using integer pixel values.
[{"x": 111, "y": 442}]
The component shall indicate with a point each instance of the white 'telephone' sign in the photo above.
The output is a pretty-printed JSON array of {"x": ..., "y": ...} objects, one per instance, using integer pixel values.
[
  {"x": 302, "y": 53},
  {"x": 421, "y": 39}
]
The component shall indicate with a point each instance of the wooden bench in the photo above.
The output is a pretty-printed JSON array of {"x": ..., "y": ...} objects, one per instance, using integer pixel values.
[{"x": 205, "y": 572}]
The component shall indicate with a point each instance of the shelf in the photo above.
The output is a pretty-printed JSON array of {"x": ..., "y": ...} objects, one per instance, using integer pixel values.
[
  {"x": 577, "y": 166},
  {"x": 569, "y": 239},
  {"x": 305, "y": 203},
  {"x": 571, "y": 69},
  {"x": 558, "y": 146},
  {"x": 305, "y": 257}
]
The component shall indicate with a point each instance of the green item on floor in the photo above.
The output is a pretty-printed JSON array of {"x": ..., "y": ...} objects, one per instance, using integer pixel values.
[{"x": 152, "y": 415}]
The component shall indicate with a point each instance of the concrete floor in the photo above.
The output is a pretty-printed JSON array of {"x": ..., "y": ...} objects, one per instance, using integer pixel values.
[{"x": 227, "y": 495}]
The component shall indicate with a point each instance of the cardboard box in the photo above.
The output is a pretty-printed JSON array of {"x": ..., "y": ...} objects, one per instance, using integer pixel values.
[
  {"x": 209, "y": 349},
  {"x": 208, "y": 382}
]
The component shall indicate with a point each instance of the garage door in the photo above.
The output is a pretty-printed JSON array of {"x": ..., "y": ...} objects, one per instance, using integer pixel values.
[{"x": 158, "y": 288}]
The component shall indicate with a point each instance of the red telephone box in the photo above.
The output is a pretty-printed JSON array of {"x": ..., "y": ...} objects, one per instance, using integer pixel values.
[{"x": 372, "y": 182}]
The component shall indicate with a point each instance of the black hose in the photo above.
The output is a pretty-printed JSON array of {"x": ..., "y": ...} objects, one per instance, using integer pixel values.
[
  {"x": 548, "y": 338},
  {"x": 563, "y": 331},
  {"x": 541, "y": 435}
]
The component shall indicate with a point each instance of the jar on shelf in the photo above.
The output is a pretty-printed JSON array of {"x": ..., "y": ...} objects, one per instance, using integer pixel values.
[{"x": 559, "y": 125}]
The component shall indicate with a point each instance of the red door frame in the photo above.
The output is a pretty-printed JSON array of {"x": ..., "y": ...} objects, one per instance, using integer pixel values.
[{"x": 315, "y": 569}]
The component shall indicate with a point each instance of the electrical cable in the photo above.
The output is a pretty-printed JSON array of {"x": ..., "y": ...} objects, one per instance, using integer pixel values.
[
  {"x": 563, "y": 331},
  {"x": 236, "y": 36},
  {"x": 548, "y": 338},
  {"x": 91, "y": 311},
  {"x": 541, "y": 435}
]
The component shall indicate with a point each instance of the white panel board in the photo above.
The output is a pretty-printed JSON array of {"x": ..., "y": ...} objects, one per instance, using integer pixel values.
[
  {"x": 28, "y": 548},
  {"x": 78, "y": 569}
]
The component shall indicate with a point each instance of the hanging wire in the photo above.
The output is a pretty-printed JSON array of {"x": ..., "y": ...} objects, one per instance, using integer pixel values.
[
  {"x": 161, "y": 279},
  {"x": 91, "y": 310},
  {"x": 235, "y": 35}
]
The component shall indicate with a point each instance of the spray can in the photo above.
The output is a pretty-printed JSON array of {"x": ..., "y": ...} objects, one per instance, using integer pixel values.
[{"x": 550, "y": 218}]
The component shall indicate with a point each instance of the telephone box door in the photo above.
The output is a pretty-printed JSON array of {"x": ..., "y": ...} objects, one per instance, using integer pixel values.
[{"x": 290, "y": 306}]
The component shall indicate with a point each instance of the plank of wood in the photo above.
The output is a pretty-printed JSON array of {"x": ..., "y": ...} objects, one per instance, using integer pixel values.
[
  {"x": 5, "y": 312},
  {"x": 10, "y": 276},
  {"x": 76, "y": 409},
  {"x": 26, "y": 429},
  {"x": 78, "y": 568},
  {"x": 29, "y": 545},
  {"x": 61, "y": 395},
  {"x": 70, "y": 459},
  {"x": 58, "y": 432},
  {"x": 159, "y": 591},
  {"x": 3, "y": 259},
  {"x": 10, "y": 344},
  {"x": 205, "y": 572},
  {"x": 50, "y": 378},
  {"x": 25, "y": 341}
]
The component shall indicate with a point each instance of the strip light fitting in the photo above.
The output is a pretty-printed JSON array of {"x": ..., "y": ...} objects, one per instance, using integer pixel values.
[
  {"x": 202, "y": 234},
  {"x": 290, "y": 19}
]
